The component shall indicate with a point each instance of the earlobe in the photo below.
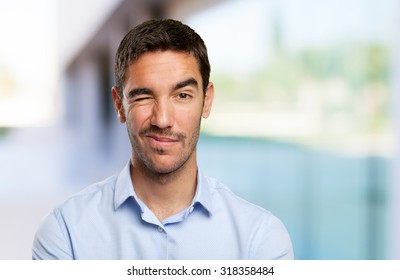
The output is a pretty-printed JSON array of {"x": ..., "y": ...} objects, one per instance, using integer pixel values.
[
  {"x": 208, "y": 100},
  {"x": 120, "y": 117},
  {"x": 119, "y": 108}
]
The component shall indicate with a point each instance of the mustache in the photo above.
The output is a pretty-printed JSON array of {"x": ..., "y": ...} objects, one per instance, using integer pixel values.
[{"x": 167, "y": 132}]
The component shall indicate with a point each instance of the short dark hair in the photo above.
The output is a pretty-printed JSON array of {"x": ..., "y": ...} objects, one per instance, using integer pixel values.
[{"x": 160, "y": 35}]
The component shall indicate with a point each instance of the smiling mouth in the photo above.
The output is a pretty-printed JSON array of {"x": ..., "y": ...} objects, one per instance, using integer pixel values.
[{"x": 162, "y": 140}]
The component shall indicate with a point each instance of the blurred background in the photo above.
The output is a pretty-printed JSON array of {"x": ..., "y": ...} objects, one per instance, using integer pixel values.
[{"x": 304, "y": 123}]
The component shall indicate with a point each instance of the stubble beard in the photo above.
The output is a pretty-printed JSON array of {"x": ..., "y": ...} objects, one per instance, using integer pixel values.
[{"x": 144, "y": 161}]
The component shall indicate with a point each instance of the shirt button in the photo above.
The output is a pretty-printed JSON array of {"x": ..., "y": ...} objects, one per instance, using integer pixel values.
[
  {"x": 191, "y": 210},
  {"x": 160, "y": 229}
]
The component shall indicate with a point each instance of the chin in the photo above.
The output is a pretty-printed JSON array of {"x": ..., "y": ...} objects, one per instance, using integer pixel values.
[{"x": 166, "y": 168}]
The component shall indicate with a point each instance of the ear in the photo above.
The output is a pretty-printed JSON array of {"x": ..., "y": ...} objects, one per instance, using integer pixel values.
[
  {"x": 208, "y": 100},
  {"x": 119, "y": 107}
]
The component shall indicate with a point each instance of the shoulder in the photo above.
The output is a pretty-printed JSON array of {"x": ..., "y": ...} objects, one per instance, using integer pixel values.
[
  {"x": 269, "y": 236},
  {"x": 220, "y": 193},
  {"x": 90, "y": 203},
  {"x": 244, "y": 212},
  {"x": 53, "y": 237},
  {"x": 96, "y": 193},
  {"x": 92, "y": 197}
]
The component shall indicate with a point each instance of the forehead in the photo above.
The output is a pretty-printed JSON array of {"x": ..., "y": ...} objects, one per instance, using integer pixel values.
[{"x": 162, "y": 67}]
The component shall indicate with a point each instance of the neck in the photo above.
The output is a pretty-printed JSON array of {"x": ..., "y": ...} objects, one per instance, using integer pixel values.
[{"x": 165, "y": 194}]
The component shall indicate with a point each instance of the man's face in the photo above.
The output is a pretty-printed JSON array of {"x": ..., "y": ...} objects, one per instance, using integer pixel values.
[{"x": 163, "y": 102}]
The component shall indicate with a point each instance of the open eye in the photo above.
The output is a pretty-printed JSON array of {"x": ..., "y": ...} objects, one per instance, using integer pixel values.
[{"x": 183, "y": 95}]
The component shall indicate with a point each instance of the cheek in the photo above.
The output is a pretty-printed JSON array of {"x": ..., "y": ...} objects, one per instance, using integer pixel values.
[
  {"x": 190, "y": 119},
  {"x": 137, "y": 116}
]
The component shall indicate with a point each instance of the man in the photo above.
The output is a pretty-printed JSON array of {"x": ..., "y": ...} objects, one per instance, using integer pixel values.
[{"x": 161, "y": 206}]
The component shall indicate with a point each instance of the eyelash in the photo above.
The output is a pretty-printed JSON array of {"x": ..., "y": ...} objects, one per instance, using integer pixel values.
[
  {"x": 142, "y": 98},
  {"x": 183, "y": 95}
]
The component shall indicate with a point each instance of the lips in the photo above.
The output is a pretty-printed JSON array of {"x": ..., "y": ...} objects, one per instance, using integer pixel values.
[{"x": 162, "y": 140}]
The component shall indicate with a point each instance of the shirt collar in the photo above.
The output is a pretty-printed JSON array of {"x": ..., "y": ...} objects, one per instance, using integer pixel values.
[
  {"x": 124, "y": 190},
  {"x": 203, "y": 193},
  {"x": 123, "y": 187}
]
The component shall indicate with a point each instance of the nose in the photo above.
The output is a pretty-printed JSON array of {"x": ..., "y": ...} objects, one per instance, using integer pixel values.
[{"x": 163, "y": 114}]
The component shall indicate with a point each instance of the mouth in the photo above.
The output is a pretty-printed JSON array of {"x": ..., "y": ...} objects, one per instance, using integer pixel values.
[{"x": 162, "y": 140}]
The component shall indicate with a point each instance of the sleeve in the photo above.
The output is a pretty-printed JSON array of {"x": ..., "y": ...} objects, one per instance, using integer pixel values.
[
  {"x": 51, "y": 241},
  {"x": 272, "y": 241}
]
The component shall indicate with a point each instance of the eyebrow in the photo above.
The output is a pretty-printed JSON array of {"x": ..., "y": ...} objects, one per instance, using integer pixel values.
[
  {"x": 189, "y": 82},
  {"x": 138, "y": 91},
  {"x": 143, "y": 91}
]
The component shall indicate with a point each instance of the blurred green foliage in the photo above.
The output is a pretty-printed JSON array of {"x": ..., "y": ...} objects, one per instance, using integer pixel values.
[
  {"x": 363, "y": 70},
  {"x": 358, "y": 66},
  {"x": 3, "y": 131}
]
